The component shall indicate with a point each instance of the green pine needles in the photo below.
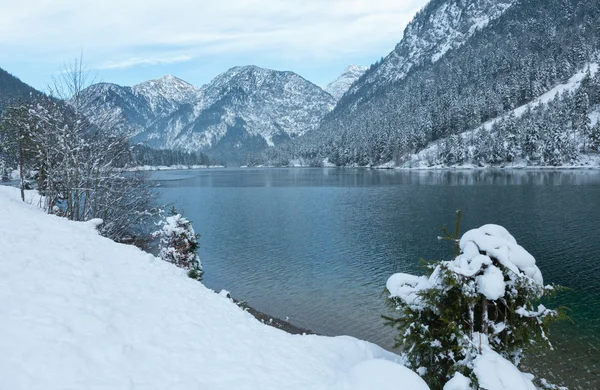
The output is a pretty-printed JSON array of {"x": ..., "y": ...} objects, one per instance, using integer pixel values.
[{"x": 485, "y": 301}]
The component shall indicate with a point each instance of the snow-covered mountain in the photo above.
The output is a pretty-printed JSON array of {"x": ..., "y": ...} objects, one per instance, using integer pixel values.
[
  {"x": 133, "y": 108},
  {"x": 112, "y": 104},
  {"x": 246, "y": 108},
  {"x": 166, "y": 94},
  {"x": 338, "y": 87},
  {"x": 460, "y": 64},
  {"x": 440, "y": 26},
  {"x": 243, "y": 110}
]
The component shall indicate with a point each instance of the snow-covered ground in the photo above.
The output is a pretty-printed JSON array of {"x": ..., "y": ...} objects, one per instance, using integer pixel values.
[
  {"x": 586, "y": 161},
  {"x": 78, "y": 311}
]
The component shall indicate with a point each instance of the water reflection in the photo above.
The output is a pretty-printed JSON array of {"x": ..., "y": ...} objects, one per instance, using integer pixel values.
[{"x": 300, "y": 177}]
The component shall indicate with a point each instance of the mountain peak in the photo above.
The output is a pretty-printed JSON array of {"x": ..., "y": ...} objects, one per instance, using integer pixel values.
[
  {"x": 439, "y": 27},
  {"x": 167, "y": 88},
  {"x": 355, "y": 68},
  {"x": 164, "y": 80},
  {"x": 338, "y": 87}
]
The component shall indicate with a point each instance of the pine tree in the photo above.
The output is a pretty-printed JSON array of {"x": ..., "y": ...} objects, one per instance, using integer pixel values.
[
  {"x": 486, "y": 300},
  {"x": 580, "y": 118},
  {"x": 178, "y": 244},
  {"x": 595, "y": 137}
]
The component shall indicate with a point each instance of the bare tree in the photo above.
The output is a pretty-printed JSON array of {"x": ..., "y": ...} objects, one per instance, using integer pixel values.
[{"x": 81, "y": 165}]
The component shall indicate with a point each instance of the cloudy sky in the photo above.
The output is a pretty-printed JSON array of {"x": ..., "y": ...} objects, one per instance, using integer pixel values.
[{"x": 129, "y": 41}]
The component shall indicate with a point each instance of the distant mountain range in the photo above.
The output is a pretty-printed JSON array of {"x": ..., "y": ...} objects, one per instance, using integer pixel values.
[
  {"x": 467, "y": 84},
  {"x": 243, "y": 110}
]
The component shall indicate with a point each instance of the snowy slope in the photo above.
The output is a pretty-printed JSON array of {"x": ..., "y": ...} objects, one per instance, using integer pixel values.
[
  {"x": 82, "y": 312},
  {"x": 338, "y": 87},
  {"x": 112, "y": 104},
  {"x": 571, "y": 85},
  {"x": 439, "y": 27}
]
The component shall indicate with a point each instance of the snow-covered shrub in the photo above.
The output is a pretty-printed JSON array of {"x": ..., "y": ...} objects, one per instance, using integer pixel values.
[
  {"x": 178, "y": 244},
  {"x": 483, "y": 306}
]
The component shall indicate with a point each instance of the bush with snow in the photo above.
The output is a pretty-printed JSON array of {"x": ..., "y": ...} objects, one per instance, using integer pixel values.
[
  {"x": 178, "y": 244},
  {"x": 474, "y": 314}
]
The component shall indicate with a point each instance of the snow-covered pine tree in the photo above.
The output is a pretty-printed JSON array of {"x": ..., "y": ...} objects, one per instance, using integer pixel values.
[
  {"x": 178, "y": 244},
  {"x": 580, "y": 121},
  {"x": 595, "y": 137},
  {"x": 478, "y": 309}
]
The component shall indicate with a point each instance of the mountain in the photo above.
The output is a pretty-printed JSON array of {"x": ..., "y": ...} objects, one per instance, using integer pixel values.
[
  {"x": 166, "y": 94},
  {"x": 462, "y": 64},
  {"x": 245, "y": 109},
  {"x": 133, "y": 108},
  {"x": 338, "y": 87},
  {"x": 440, "y": 26},
  {"x": 12, "y": 89}
]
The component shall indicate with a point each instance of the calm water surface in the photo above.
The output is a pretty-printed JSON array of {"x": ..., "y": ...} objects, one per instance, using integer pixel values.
[{"x": 317, "y": 245}]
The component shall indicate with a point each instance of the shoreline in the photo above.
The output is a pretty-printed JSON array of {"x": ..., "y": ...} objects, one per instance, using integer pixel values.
[
  {"x": 442, "y": 167},
  {"x": 274, "y": 322}
]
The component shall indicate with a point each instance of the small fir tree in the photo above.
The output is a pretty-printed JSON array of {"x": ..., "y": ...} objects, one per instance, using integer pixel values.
[
  {"x": 178, "y": 244},
  {"x": 485, "y": 301}
]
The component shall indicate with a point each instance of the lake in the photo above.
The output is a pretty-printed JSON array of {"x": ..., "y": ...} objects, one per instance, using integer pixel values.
[{"x": 316, "y": 246}]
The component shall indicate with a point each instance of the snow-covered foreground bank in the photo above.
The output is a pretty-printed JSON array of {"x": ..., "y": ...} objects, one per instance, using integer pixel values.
[{"x": 78, "y": 311}]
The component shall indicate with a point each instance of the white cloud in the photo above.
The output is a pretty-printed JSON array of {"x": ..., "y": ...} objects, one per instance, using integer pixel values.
[
  {"x": 134, "y": 61},
  {"x": 125, "y": 33}
]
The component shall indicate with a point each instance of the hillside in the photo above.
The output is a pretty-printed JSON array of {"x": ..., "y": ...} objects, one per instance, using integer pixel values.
[
  {"x": 12, "y": 89},
  {"x": 498, "y": 56},
  {"x": 80, "y": 311}
]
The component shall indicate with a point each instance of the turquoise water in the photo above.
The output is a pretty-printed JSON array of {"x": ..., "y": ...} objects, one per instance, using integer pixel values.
[{"x": 317, "y": 245}]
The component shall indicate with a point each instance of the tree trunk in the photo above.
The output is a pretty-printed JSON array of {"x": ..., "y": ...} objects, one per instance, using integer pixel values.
[{"x": 22, "y": 185}]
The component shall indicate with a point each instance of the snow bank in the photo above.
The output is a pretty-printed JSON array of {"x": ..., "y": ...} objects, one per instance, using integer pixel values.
[{"x": 79, "y": 311}]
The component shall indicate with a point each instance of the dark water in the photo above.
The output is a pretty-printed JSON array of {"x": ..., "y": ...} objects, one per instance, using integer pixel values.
[{"x": 317, "y": 245}]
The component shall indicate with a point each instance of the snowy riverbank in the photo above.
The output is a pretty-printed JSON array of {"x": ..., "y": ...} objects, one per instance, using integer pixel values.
[
  {"x": 80, "y": 311},
  {"x": 419, "y": 162}
]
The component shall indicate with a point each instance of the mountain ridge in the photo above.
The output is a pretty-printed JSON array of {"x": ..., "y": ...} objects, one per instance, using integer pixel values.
[
  {"x": 12, "y": 89},
  {"x": 512, "y": 55},
  {"x": 244, "y": 109}
]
